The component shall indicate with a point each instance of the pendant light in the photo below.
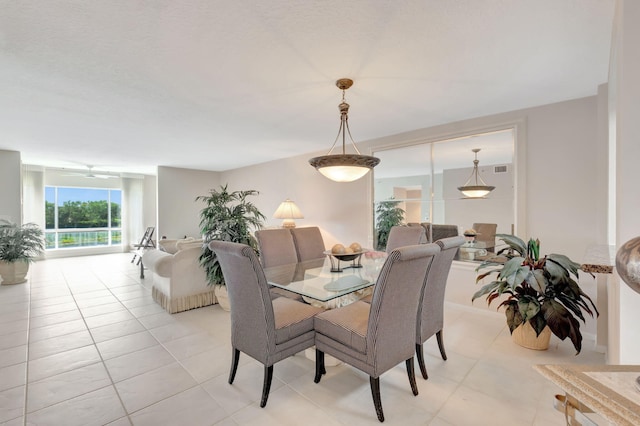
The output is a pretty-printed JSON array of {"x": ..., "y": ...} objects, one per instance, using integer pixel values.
[
  {"x": 344, "y": 167},
  {"x": 475, "y": 187}
]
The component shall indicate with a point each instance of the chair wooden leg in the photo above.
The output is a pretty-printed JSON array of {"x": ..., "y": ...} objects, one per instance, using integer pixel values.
[
  {"x": 235, "y": 356},
  {"x": 375, "y": 393},
  {"x": 441, "y": 345},
  {"x": 268, "y": 375},
  {"x": 420, "y": 355},
  {"x": 412, "y": 376},
  {"x": 320, "y": 370}
]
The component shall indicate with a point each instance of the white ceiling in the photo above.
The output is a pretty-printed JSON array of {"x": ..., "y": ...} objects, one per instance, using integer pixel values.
[{"x": 128, "y": 85}]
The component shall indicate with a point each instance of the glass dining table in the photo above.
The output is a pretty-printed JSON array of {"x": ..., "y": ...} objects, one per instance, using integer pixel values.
[{"x": 319, "y": 286}]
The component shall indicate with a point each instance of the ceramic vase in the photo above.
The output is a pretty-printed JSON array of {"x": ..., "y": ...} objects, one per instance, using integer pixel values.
[{"x": 13, "y": 272}]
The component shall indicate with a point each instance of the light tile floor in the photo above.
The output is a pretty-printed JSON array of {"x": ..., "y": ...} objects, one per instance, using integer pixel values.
[{"x": 83, "y": 343}]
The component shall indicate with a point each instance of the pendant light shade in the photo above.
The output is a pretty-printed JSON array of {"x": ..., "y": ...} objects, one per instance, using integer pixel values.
[
  {"x": 475, "y": 187},
  {"x": 344, "y": 167}
]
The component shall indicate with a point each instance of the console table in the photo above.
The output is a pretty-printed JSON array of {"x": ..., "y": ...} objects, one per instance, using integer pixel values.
[{"x": 607, "y": 390}]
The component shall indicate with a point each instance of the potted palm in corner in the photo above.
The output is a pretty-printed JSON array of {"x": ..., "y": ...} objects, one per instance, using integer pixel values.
[
  {"x": 543, "y": 293},
  {"x": 388, "y": 215},
  {"x": 227, "y": 216},
  {"x": 19, "y": 246}
]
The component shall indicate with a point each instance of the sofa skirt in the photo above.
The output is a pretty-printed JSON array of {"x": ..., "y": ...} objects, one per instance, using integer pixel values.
[{"x": 184, "y": 303}]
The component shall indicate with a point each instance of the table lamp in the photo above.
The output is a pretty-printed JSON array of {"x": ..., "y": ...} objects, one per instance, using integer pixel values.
[{"x": 288, "y": 211}]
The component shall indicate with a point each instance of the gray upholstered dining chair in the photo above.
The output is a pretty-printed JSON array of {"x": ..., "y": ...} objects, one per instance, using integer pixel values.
[
  {"x": 486, "y": 234},
  {"x": 374, "y": 337},
  {"x": 400, "y": 236},
  {"x": 309, "y": 243},
  {"x": 430, "y": 318},
  {"x": 439, "y": 232},
  {"x": 268, "y": 331},
  {"x": 276, "y": 247}
]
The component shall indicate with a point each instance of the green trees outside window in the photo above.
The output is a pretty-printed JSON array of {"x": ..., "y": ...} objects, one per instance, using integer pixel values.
[
  {"x": 83, "y": 214},
  {"x": 79, "y": 217}
]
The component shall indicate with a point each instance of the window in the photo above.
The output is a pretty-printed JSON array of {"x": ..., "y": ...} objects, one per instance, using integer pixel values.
[{"x": 82, "y": 217}]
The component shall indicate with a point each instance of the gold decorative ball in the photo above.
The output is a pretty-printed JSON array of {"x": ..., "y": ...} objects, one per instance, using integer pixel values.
[{"x": 338, "y": 249}]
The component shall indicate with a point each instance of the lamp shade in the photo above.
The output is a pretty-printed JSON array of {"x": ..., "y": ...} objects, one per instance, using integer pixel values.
[
  {"x": 475, "y": 187},
  {"x": 475, "y": 191},
  {"x": 288, "y": 211},
  {"x": 344, "y": 167}
]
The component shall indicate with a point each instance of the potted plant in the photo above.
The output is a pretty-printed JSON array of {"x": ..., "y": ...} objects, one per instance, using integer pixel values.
[
  {"x": 227, "y": 216},
  {"x": 388, "y": 215},
  {"x": 542, "y": 292},
  {"x": 19, "y": 245}
]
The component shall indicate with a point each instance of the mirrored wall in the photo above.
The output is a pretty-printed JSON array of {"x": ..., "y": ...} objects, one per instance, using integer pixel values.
[{"x": 424, "y": 177}]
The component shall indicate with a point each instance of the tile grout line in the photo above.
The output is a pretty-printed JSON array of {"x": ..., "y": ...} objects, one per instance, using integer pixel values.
[
  {"x": 26, "y": 367},
  {"x": 71, "y": 293},
  {"x": 461, "y": 383},
  {"x": 113, "y": 383},
  {"x": 161, "y": 344},
  {"x": 179, "y": 362}
]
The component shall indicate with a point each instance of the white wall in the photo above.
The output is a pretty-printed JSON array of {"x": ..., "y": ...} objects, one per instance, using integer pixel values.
[
  {"x": 150, "y": 214},
  {"x": 562, "y": 177},
  {"x": 178, "y": 212},
  {"x": 624, "y": 96},
  {"x": 10, "y": 186},
  {"x": 33, "y": 195}
]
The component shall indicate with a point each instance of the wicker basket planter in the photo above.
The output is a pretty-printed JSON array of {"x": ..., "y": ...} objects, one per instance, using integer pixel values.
[
  {"x": 223, "y": 297},
  {"x": 525, "y": 336}
]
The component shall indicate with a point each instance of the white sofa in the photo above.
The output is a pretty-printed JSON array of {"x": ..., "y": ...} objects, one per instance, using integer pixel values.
[
  {"x": 179, "y": 282},
  {"x": 173, "y": 246}
]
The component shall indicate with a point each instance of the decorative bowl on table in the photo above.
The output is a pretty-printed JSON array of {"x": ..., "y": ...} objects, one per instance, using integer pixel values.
[
  {"x": 339, "y": 253},
  {"x": 346, "y": 257}
]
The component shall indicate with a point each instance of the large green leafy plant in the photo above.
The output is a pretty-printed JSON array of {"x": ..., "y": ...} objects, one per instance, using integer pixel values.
[
  {"x": 20, "y": 242},
  {"x": 543, "y": 291},
  {"x": 388, "y": 215},
  {"x": 227, "y": 216}
]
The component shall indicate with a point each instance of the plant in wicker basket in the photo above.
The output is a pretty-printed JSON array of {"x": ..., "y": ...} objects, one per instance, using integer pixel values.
[{"x": 542, "y": 291}]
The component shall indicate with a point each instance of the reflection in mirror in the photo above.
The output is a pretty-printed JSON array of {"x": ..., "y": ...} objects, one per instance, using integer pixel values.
[{"x": 424, "y": 179}]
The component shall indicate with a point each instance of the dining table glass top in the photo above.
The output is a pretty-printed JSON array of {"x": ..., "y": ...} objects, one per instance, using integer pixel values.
[{"x": 314, "y": 279}]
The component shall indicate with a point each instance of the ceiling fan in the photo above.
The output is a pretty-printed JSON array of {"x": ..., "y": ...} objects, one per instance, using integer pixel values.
[{"x": 90, "y": 174}]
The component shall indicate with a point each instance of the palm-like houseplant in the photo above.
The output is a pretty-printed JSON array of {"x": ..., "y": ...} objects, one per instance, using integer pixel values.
[
  {"x": 19, "y": 246},
  {"x": 227, "y": 216},
  {"x": 541, "y": 291},
  {"x": 388, "y": 215}
]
